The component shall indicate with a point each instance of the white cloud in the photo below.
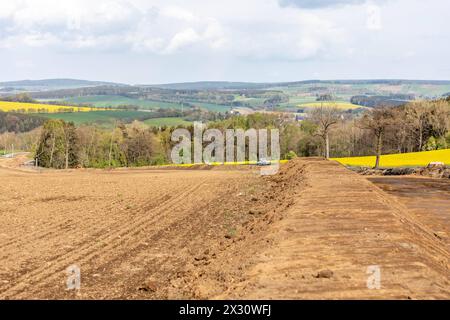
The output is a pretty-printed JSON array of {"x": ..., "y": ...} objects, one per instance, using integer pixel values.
[
  {"x": 182, "y": 39},
  {"x": 178, "y": 13},
  {"x": 241, "y": 39},
  {"x": 160, "y": 29},
  {"x": 24, "y": 64},
  {"x": 39, "y": 39},
  {"x": 106, "y": 24}
]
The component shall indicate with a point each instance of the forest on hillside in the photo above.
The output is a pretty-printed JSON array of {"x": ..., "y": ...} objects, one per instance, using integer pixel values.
[{"x": 327, "y": 132}]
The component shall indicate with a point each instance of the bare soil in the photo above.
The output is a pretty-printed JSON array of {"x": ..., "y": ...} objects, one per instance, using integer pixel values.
[
  {"x": 428, "y": 199},
  {"x": 309, "y": 232}
]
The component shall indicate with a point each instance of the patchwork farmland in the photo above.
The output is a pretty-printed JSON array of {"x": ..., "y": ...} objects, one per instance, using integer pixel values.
[{"x": 21, "y": 107}]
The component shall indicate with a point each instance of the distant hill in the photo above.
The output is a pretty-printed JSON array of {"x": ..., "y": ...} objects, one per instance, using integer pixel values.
[
  {"x": 54, "y": 84},
  {"x": 224, "y": 85},
  {"x": 209, "y": 85}
]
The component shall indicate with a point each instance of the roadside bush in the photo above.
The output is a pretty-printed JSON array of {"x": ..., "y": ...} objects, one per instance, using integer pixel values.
[
  {"x": 291, "y": 155},
  {"x": 435, "y": 144}
]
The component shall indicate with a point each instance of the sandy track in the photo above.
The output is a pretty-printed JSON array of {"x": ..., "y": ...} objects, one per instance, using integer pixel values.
[
  {"x": 343, "y": 223},
  {"x": 158, "y": 234}
]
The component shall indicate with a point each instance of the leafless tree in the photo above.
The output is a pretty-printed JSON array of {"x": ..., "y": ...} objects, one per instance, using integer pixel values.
[
  {"x": 378, "y": 120},
  {"x": 325, "y": 118},
  {"x": 439, "y": 118},
  {"x": 416, "y": 115}
]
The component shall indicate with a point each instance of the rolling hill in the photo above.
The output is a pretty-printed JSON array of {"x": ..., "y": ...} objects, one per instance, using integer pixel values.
[{"x": 54, "y": 84}]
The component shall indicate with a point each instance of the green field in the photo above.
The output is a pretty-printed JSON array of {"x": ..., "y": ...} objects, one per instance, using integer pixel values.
[
  {"x": 108, "y": 118},
  {"x": 295, "y": 101},
  {"x": 166, "y": 122},
  {"x": 252, "y": 102},
  {"x": 210, "y": 106},
  {"x": 115, "y": 101},
  {"x": 100, "y": 117}
]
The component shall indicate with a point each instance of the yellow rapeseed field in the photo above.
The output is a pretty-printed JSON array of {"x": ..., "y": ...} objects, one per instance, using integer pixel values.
[
  {"x": 339, "y": 105},
  {"x": 416, "y": 159},
  {"x": 7, "y": 106},
  {"x": 187, "y": 165}
]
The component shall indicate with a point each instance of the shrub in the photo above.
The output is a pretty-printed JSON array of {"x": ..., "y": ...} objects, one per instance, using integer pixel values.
[{"x": 291, "y": 155}]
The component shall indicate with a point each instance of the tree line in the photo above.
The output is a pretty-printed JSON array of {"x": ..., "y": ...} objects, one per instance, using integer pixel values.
[
  {"x": 62, "y": 145},
  {"x": 412, "y": 127},
  {"x": 326, "y": 131},
  {"x": 14, "y": 122}
]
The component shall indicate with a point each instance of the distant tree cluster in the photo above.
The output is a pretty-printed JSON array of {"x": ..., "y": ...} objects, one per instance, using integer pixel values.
[
  {"x": 325, "y": 97},
  {"x": 275, "y": 100},
  {"x": 392, "y": 100},
  {"x": 23, "y": 141},
  {"x": 62, "y": 145},
  {"x": 15, "y": 122},
  {"x": 20, "y": 97},
  {"x": 58, "y": 145}
]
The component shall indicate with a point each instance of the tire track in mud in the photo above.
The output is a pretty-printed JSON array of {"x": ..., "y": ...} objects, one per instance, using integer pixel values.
[
  {"x": 61, "y": 224},
  {"x": 62, "y": 219},
  {"x": 89, "y": 250},
  {"x": 164, "y": 266},
  {"x": 160, "y": 263},
  {"x": 131, "y": 252}
]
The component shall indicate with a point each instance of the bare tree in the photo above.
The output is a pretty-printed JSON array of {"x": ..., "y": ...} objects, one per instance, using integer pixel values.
[
  {"x": 378, "y": 120},
  {"x": 416, "y": 115},
  {"x": 402, "y": 131},
  {"x": 439, "y": 118},
  {"x": 325, "y": 118}
]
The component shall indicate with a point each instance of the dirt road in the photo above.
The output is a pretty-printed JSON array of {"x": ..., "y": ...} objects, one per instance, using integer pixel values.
[
  {"x": 158, "y": 234},
  {"x": 340, "y": 228}
]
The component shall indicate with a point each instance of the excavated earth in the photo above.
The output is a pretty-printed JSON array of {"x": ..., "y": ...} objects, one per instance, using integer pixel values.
[{"x": 312, "y": 231}]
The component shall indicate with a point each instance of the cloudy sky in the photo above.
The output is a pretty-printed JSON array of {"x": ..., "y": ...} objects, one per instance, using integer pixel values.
[{"x": 146, "y": 41}]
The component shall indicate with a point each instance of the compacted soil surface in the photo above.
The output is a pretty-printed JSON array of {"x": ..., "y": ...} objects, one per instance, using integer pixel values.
[{"x": 315, "y": 230}]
